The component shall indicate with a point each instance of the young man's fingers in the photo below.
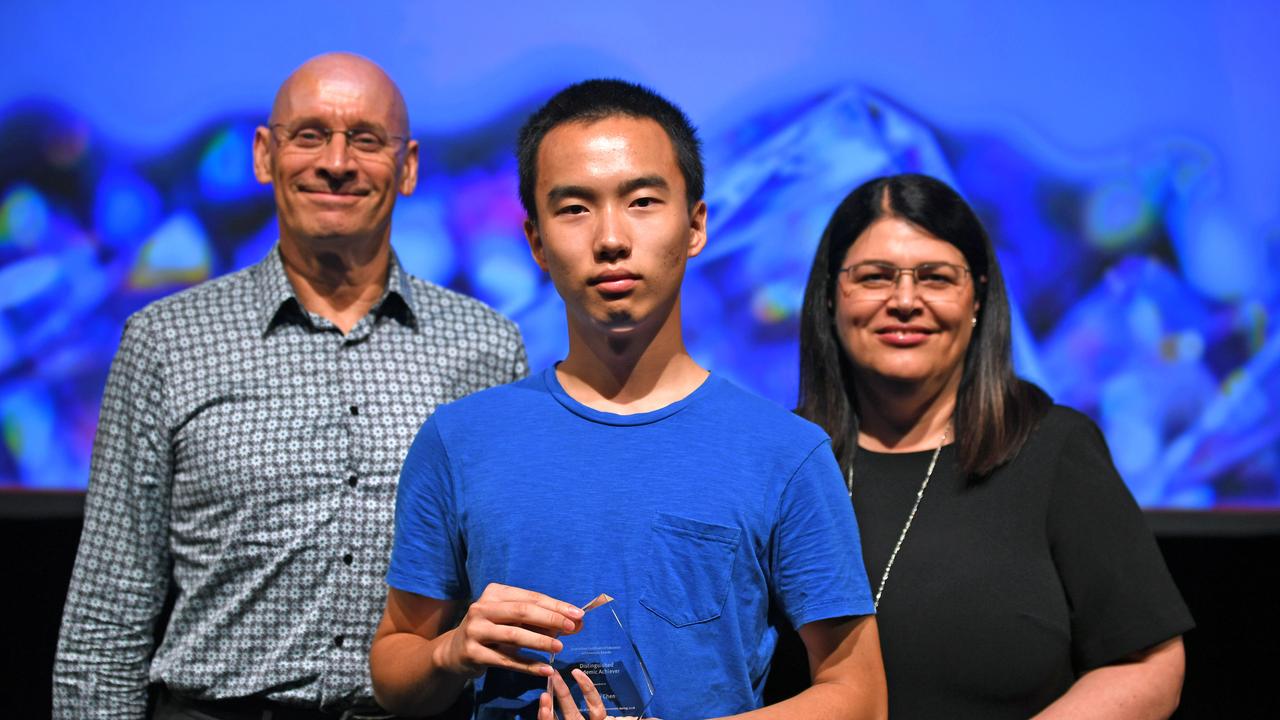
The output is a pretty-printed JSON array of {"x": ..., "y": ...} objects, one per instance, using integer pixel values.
[
  {"x": 529, "y": 614},
  {"x": 517, "y": 637},
  {"x": 494, "y": 658},
  {"x": 545, "y": 711},
  {"x": 508, "y": 593},
  {"x": 568, "y": 708},
  {"x": 595, "y": 706}
]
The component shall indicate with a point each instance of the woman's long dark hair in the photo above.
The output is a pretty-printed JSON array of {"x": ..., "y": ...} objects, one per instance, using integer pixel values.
[{"x": 995, "y": 410}]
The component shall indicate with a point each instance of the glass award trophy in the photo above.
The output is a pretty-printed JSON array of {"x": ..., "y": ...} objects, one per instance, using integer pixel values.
[{"x": 604, "y": 650}]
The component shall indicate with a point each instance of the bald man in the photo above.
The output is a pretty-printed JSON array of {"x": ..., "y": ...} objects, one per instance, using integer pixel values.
[{"x": 251, "y": 433}]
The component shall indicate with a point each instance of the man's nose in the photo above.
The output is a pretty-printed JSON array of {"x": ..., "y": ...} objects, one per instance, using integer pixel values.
[
  {"x": 336, "y": 157},
  {"x": 612, "y": 239}
]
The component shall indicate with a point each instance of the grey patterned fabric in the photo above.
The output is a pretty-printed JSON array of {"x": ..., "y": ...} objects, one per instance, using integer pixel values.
[{"x": 245, "y": 462}]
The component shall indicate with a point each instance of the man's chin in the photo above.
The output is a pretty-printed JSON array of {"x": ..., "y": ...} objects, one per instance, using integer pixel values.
[
  {"x": 618, "y": 325},
  {"x": 329, "y": 235}
]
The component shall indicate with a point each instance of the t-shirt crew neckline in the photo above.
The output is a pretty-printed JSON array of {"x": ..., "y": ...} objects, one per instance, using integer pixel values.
[
  {"x": 607, "y": 418},
  {"x": 905, "y": 458}
]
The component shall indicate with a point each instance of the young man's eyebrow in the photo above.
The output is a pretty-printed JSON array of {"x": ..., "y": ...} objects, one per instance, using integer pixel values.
[
  {"x": 646, "y": 181},
  {"x": 560, "y": 192}
]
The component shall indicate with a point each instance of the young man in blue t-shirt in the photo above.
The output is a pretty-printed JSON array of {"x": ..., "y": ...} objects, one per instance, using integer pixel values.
[{"x": 626, "y": 469}]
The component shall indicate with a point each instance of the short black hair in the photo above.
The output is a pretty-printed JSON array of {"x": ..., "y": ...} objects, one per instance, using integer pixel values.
[
  {"x": 592, "y": 100},
  {"x": 995, "y": 410}
]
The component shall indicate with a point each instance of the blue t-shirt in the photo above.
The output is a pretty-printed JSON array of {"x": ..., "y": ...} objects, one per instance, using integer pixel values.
[{"x": 698, "y": 518}]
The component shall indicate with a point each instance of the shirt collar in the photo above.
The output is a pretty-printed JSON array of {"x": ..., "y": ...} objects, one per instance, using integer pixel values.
[{"x": 278, "y": 303}]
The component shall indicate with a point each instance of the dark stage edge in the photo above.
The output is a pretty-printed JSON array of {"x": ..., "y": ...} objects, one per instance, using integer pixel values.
[
  {"x": 1233, "y": 522},
  {"x": 1225, "y": 564}
]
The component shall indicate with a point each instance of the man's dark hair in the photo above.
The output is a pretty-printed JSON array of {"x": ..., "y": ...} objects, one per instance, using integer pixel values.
[
  {"x": 995, "y": 410},
  {"x": 593, "y": 100}
]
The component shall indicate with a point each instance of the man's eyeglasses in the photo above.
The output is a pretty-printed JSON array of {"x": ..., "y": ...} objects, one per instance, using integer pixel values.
[
  {"x": 312, "y": 138},
  {"x": 877, "y": 280}
]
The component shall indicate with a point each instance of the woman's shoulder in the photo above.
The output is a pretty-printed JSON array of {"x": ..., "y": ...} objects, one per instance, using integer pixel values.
[
  {"x": 1063, "y": 430},
  {"x": 1063, "y": 418}
]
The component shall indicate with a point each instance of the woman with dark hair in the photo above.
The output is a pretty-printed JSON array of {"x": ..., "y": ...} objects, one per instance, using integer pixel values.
[{"x": 1014, "y": 572}]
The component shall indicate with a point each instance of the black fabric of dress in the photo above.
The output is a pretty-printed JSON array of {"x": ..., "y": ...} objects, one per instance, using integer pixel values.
[{"x": 1007, "y": 589}]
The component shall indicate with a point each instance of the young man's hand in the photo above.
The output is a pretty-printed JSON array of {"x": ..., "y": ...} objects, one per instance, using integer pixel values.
[
  {"x": 568, "y": 709},
  {"x": 503, "y": 621}
]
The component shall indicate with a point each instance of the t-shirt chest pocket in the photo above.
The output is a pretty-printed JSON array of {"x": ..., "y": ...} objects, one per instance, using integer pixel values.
[{"x": 690, "y": 569}]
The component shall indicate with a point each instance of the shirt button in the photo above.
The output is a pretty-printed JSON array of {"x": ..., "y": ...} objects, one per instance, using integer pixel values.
[
  {"x": 348, "y": 558},
  {"x": 355, "y": 410},
  {"x": 352, "y": 480},
  {"x": 338, "y": 640}
]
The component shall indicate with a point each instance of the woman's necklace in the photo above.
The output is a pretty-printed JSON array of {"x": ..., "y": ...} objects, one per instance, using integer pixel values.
[{"x": 912, "y": 516}]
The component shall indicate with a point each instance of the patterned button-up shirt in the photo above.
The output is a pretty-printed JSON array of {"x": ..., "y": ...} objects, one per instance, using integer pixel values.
[{"x": 245, "y": 465}]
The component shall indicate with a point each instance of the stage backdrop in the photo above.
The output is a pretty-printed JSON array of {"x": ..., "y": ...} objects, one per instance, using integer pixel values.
[{"x": 1123, "y": 156}]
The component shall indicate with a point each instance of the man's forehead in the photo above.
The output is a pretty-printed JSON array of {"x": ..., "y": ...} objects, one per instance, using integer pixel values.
[
  {"x": 622, "y": 137},
  {"x": 342, "y": 92},
  {"x": 610, "y": 142},
  {"x": 333, "y": 91}
]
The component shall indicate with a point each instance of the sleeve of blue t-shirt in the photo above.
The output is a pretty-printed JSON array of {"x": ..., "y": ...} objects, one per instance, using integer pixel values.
[
  {"x": 817, "y": 555},
  {"x": 427, "y": 557}
]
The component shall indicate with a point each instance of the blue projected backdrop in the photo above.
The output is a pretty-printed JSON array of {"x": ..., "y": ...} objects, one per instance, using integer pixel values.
[{"x": 1136, "y": 223}]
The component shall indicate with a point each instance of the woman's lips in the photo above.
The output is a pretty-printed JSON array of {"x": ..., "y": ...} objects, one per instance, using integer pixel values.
[{"x": 903, "y": 336}]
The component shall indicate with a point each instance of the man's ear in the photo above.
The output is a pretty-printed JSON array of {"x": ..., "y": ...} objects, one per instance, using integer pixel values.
[
  {"x": 409, "y": 173},
  {"x": 262, "y": 155},
  {"x": 697, "y": 228},
  {"x": 534, "y": 237}
]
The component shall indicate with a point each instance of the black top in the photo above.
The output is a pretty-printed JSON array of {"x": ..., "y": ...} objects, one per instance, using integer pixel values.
[{"x": 1007, "y": 589}]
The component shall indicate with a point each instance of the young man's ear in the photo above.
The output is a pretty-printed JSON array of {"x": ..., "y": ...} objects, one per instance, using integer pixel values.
[
  {"x": 262, "y": 155},
  {"x": 534, "y": 237},
  {"x": 697, "y": 228}
]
